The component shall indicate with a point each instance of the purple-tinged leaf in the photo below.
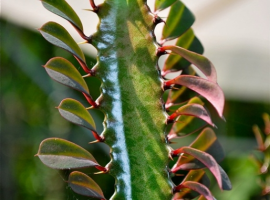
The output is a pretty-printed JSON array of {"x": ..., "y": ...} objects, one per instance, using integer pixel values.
[
  {"x": 198, "y": 187},
  {"x": 259, "y": 137},
  {"x": 195, "y": 110},
  {"x": 206, "y": 142},
  {"x": 62, "y": 71},
  {"x": 84, "y": 185},
  {"x": 73, "y": 111},
  {"x": 184, "y": 121},
  {"x": 61, "y": 154},
  {"x": 203, "y": 64},
  {"x": 208, "y": 89},
  {"x": 179, "y": 21},
  {"x": 176, "y": 62},
  {"x": 58, "y": 36},
  {"x": 163, "y": 4},
  {"x": 203, "y": 157},
  {"x": 63, "y": 9}
]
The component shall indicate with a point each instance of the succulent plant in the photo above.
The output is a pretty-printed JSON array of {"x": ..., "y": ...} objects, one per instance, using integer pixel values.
[{"x": 144, "y": 109}]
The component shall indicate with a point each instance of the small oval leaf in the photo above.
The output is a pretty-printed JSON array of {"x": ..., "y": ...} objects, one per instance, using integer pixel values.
[
  {"x": 195, "y": 110},
  {"x": 73, "y": 111},
  {"x": 176, "y": 62},
  {"x": 84, "y": 185},
  {"x": 58, "y": 35},
  {"x": 62, "y": 71},
  {"x": 61, "y": 154},
  {"x": 203, "y": 64},
  {"x": 163, "y": 4},
  {"x": 208, "y": 89},
  {"x": 179, "y": 21},
  {"x": 63, "y": 9}
]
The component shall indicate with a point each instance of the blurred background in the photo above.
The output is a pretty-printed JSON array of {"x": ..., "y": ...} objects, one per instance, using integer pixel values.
[{"x": 236, "y": 38}]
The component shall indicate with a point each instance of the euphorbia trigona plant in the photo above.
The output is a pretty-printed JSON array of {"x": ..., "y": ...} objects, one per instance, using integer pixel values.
[{"x": 140, "y": 121}]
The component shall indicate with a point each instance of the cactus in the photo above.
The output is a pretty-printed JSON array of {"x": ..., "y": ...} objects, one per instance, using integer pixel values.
[{"x": 140, "y": 120}]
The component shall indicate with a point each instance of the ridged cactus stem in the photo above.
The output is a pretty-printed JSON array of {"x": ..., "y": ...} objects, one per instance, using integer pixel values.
[{"x": 131, "y": 100}]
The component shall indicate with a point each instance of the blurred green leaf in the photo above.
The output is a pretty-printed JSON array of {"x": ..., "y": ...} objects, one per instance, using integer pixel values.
[
  {"x": 163, "y": 4},
  {"x": 63, "y": 9},
  {"x": 61, "y": 154},
  {"x": 84, "y": 185},
  {"x": 179, "y": 21}
]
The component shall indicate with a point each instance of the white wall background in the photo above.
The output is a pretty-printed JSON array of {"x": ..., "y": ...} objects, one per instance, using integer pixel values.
[{"x": 235, "y": 35}]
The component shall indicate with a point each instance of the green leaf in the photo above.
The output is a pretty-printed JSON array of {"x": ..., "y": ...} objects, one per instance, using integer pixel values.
[
  {"x": 58, "y": 35},
  {"x": 163, "y": 4},
  {"x": 76, "y": 113},
  {"x": 203, "y": 64},
  {"x": 62, "y": 71},
  {"x": 179, "y": 21},
  {"x": 176, "y": 62},
  {"x": 84, "y": 185},
  {"x": 61, "y": 154},
  {"x": 208, "y": 89},
  {"x": 63, "y": 9}
]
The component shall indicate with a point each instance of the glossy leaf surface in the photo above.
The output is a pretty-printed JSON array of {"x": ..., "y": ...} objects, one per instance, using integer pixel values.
[
  {"x": 163, "y": 4},
  {"x": 195, "y": 110},
  {"x": 176, "y": 62},
  {"x": 179, "y": 21},
  {"x": 61, "y": 154},
  {"x": 58, "y": 35},
  {"x": 62, "y": 71},
  {"x": 205, "y": 158},
  {"x": 63, "y": 9},
  {"x": 73, "y": 111},
  {"x": 205, "y": 65},
  {"x": 208, "y": 89},
  {"x": 84, "y": 185},
  {"x": 198, "y": 187}
]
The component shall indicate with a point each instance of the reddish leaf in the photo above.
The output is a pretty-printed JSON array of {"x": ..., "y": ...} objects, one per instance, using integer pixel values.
[
  {"x": 205, "y": 158},
  {"x": 195, "y": 110},
  {"x": 198, "y": 187},
  {"x": 210, "y": 90},
  {"x": 205, "y": 65}
]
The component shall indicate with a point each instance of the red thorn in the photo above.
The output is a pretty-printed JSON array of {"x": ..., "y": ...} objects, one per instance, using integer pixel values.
[
  {"x": 90, "y": 100},
  {"x": 102, "y": 169},
  {"x": 98, "y": 137}
]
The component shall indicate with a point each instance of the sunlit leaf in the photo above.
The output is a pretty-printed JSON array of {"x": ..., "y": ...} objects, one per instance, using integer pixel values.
[
  {"x": 203, "y": 64},
  {"x": 195, "y": 110},
  {"x": 206, "y": 142},
  {"x": 61, "y": 154},
  {"x": 84, "y": 185},
  {"x": 208, "y": 89},
  {"x": 58, "y": 35},
  {"x": 62, "y": 71},
  {"x": 205, "y": 158},
  {"x": 163, "y": 4},
  {"x": 198, "y": 187},
  {"x": 75, "y": 112},
  {"x": 177, "y": 62},
  {"x": 179, "y": 21},
  {"x": 63, "y": 9}
]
